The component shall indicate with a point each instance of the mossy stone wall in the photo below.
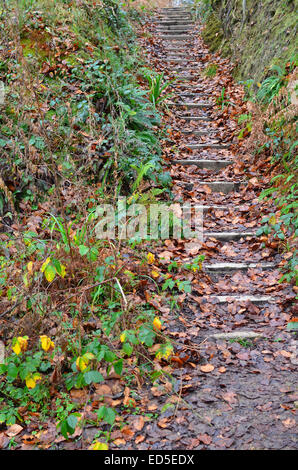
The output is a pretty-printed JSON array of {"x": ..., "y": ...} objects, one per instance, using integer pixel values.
[{"x": 255, "y": 33}]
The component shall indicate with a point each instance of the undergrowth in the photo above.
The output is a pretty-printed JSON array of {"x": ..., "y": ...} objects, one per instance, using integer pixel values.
[
  {"x": 272, "y": 125},
  {"x": 79, "y": 126}
]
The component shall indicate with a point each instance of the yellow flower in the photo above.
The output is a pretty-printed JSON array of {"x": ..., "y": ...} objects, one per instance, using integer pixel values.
[
  {"x": 81, "y": 363},
  {"x": 150, "y": 258},
  {"x": 157, "y": 323},
  {"x": 165, "y": 352},
  {"x": 155, "y": 274},
  {"x": 99, "y": 446},
  {"x": 46, "y": 343},
  {"x": 122, "y": 337},
  {"x": 47, "y": 261},
  {"x": 20, "y": 344},
  {"x": 32, "y": 379},
  {"x": 30, "y": 267}
]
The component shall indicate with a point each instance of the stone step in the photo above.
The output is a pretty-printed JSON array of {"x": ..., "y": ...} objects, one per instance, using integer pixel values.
[
  {"x": 208, "y": 164},
  {"x": 195, "y": 118},
  {"x": 177, "y": 60},
  {"x": 200, "y": 133},
  {"x": 224, "y": 187},
  {"x": 255, "y": 299},
  {"x": 206, "y": 208},
  {"x": 236, "y": 335},
  {"x": 198, "y": 105},
  {"x": 173, "y": 32},
  {"x": 192, "y": 95},
  {"x": 187, "y": 77},
  {"x": 174, "y": 23},
  {"x": 178, "y": 48},
  {"x": 176, "y": 37},
  {"x": 173, "y": 53},
  {"x": 210, "y": 132},
  {"x": 227, "y": 236},
  {"x": 174, "y": 28},
  {"x": 176, "y": 18},
  {"x": 174, "y": 8},
  {"x": 223, "y": 267},
  {"x": 168, "y": 14},
  {"x": 207, "y": 145}
]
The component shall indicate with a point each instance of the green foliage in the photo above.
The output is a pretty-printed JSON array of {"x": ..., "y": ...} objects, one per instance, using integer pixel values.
[
  {"x": 281, "y": 144},
  {"x": 211, "y": 70},
  {"x": 202, "y": 8},
  {"x": 97, "y": 121},
  {"x": 247, "y": 120},
  {"x": 157, "y": 87},
  {"x": 271, "y": 85},
  {"x": 223, "y": 100}
]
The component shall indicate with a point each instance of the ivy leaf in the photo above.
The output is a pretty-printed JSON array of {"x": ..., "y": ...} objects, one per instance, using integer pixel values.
[
  {"x": 83, "y": 250},
  {"x": 127, "y": 348},
  {"x": 93, "y": 376},
  {"x": 12, "y": 371},
  {"x": 118, "y": 366},
  {"x": 50, "y": 272},
  {"x": 146, "y": 336},
  {"x": 106, "y": 414}
]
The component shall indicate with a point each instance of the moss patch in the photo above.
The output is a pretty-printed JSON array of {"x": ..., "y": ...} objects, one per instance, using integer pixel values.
[
  {"x": 261, "y": 35},
  {"x": 213, "y": 33}
]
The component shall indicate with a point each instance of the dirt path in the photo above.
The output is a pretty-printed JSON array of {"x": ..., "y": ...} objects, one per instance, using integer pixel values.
[{"x": 242, "y": 393}]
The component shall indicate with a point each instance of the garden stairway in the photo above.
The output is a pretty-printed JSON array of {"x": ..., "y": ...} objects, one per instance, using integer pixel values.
[{"x": 175, "y": 26}]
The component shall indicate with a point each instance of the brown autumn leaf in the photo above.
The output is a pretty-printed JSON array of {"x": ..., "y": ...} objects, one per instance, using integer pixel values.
[
  {"x": 284, "y": 353},
  {"x": 139, "y": 439},
  {"x": 207, "y": 368},
  {"x": 163, "y": 423},
  {"x": 166, "y": 255},
  {"x": 128, "y": 401},
  {"x": 289, "y": 423},
  {"x": 14, "y": 430},
  {"x": 127, "y": 432},
  {"x": 205, "y": 439},
  {"x": 28, "y": 439},
  {"x": 230, "y": 397},
  {"x": 152, "y": 407},
  {"x": 119, "y": 442},
  {"x": 102, "y": 389},
  {"x": 138, "y": 423}
]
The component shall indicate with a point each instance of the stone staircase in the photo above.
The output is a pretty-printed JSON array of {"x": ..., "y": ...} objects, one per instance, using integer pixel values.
[{"x": 176, "y": 29}]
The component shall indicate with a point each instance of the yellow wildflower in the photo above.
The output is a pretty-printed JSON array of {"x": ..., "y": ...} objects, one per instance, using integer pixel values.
[
  {"x": 157, "y": 323},
  {"x": 154, "y": 274},
  {"x": 30, "y": 267},
  {"x": 122, "y": 337},
  {"x": 20, "y": 344},
  {"x": 81, "y": 363},
  {"x": 150, "y": 258},
  {"x": 31, "y": 380},
  {"x": 46, "y": 343},
  {"x": 99, "y": 446},
  {"x": 165, "y": 352}
]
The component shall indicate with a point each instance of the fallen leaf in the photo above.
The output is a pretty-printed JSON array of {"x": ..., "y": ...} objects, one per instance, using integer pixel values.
[
  {"x": 207, "y": 368},
  {"x": 14, "y": 430}
]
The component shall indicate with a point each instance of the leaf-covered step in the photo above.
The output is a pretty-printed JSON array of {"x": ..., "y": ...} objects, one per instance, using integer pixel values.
[{"x": 208, "y": 164}]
